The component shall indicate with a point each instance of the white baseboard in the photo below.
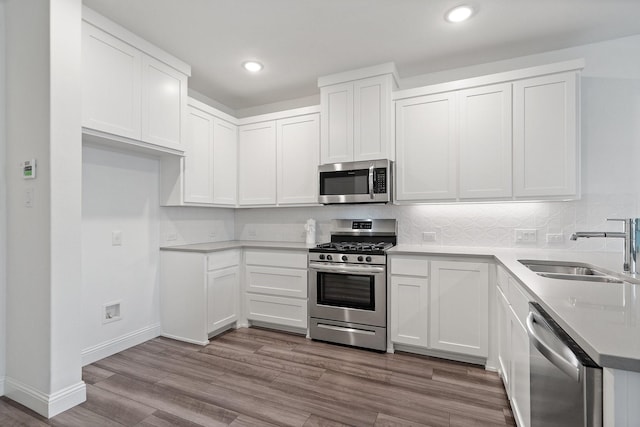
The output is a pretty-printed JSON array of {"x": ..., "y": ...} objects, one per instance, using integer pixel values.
[
  {"x": 183, "y": 339},
  {"x": 113, "y": 346},
  {"x": 47, "y": 405},
  {"x": 2, "y": 386}
]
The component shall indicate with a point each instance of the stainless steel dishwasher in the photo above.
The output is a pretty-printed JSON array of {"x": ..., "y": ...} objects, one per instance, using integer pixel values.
[{"x": 566, "y": 384}]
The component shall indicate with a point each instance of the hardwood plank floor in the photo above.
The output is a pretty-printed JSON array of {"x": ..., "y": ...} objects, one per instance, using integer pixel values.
[{"x": 258, "y": 377}]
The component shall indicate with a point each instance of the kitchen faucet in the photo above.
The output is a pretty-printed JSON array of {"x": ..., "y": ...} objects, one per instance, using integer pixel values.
[{"x": 631, "y": 236}]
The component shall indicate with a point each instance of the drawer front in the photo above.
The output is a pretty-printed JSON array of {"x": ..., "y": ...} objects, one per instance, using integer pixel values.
[
  {"x": 223, "y": 259},
  {"x": 286, "y": 282},
  {"x": 277, "y": 310},
  {"x": 409, "y": 266},
  {"x": 519, "y": 301},
  {"x": 291, "y": 259},
  {"x": 502, "y": 277}
]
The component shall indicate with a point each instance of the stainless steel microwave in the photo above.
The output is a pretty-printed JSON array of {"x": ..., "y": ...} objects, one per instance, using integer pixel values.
[{"x": 355, "y": 182}]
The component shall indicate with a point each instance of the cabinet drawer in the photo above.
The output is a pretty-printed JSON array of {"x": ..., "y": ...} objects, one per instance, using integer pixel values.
[
  {"x": 277, "y": 310},
  {"x": 519, "y": 301},
  {"x": 287, "y": 282},
  {"x": 290, "y": 259},
  {"x": 223, "y": 259},
  {"x": 410, "y": 266},
  {"x": 502, "y": 278}
]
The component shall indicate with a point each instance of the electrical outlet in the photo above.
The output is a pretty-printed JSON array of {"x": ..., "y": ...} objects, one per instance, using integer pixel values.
[
  {"x": 526, "y": 235},
  {"x": 171, "y": 237},
  {"x": 212, "y": 234},
  {"x": 111, "y": 312},
  {"x": 251, "y": 232},
  {"x": 555, "y": 238},
  {"x": 116, "y": 238},
  {"x": 429, "y": 236}
]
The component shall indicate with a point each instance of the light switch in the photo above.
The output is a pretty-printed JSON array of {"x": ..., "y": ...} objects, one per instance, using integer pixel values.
[{"x": 116, "y": 238}]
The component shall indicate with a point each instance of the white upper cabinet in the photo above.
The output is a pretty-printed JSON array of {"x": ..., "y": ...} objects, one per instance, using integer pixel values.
[
  {"x": 459, "y": 307},
  {"x": 485, "y": 142},
  {"x": 210, "y": 163},
  {"x": 257, "y": 165},
  {"x": 111, "y": 85},
  {"x": 130, "y": 88},
  {"x": 298, "y": 149},
  {"x": 545, "y": 136},
  {"x": 426, "y": 149},
  {"x": 357, "y": 115}
]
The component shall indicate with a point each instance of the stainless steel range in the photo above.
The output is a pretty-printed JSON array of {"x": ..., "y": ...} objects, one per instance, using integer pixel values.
[{"x": 348, "y": 283}]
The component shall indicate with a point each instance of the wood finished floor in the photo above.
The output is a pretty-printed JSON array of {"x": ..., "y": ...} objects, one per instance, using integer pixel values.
[{"x": 258, "y": 377}]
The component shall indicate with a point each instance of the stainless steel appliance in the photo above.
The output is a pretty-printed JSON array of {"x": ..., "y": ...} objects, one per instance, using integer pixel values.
[
  {"x": 566, "y": 384},
  {"x": 355, "y": 182},
  {"x": 348, "y": 283}
]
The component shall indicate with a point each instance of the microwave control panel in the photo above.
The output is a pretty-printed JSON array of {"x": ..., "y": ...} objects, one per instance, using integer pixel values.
[{"x": 380, "y": 181}]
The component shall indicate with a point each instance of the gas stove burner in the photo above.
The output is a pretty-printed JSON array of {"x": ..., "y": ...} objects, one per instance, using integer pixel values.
[{"x": 354, "y": 246}]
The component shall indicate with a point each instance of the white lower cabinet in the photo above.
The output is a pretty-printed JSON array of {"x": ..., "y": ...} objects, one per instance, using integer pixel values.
[
  {"x": 276, "y": 288},
  {"x": 440, "y": 305},
  {"x": 513, "y": 344},
  {"x": 198, "y": 293}
]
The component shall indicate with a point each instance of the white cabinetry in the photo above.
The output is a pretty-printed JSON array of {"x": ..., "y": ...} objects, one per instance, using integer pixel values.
[
  {"x": 426, "y": 168},
  {"x": 459, "y": 307},
  {"x": 276, "y": 288},
  {"x": 257, "y": 164},
  {"x": 440, "y": 306},
  {"x": 545, "y": 136},
  {"x": 198, "y": 293},
  {"x": 357, "y": 114},
  {"x": 131, "y": 89},
  {"x": 298, "y": 152},
  {"x": 513, "y": 344},
  {"x": 210, "y": 163}
]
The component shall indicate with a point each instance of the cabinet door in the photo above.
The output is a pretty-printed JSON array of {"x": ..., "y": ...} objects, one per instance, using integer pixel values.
[
  {"x": 459, "y": 307},
  {"x": 298, "y": 158},
  {"x": 164, "y": 103},
  {"x": 225, "y": 163},
  {"x": 222, "y": 297},
  {"x": 257, "y": 164},
  {"x": 519, "y": 376},
  {"x": 426, "y": 151},
  {"x": 545, "y": 144},
  {"x": 337, "y": 123},
  {"x": 371, "y": 118},
  {"x": 504, "y": 337},
  {"x": 409, "y": 308},
  {"x": 111, "y": 84},
  {"x": 485, "y": 142},
  {"x": 199, "y": 158}
]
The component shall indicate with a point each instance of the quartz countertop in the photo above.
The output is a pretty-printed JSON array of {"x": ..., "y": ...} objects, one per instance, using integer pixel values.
[
  {"x": 603, "y": 318},
  {"x": 234, "y": 244}
]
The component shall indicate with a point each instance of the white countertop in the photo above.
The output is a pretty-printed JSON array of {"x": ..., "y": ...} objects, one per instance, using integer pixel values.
[
  {"x": 233, "y": 244},
  {"x": 603, "y": 318}
]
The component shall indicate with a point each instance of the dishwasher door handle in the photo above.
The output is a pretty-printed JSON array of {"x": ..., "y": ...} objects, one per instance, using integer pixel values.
[{"x": 571, "y": 368}]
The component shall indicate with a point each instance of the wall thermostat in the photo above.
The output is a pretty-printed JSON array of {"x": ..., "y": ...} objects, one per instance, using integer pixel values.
[{"x": 29, "y": 169}]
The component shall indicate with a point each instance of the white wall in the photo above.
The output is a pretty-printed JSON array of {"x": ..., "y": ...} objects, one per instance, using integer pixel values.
[
  {"x": 3, "y": 206},
  {"x": 182, "y": 225},
  {"x": 119, "y": 193},
  {"x": 43, "y": 368},
  {"x": 610, "y": 177}
]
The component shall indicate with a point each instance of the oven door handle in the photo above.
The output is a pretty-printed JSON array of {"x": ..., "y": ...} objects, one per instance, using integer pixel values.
[
  {"x": 345, "y": 269},
  {"x": 371, "y": 181}
]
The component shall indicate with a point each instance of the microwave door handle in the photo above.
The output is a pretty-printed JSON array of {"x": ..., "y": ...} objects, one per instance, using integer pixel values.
[{"x": 371, "y": 181}]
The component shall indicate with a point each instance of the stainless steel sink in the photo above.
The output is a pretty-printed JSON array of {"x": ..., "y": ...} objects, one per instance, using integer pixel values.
[{"x": 568, "y": 271}]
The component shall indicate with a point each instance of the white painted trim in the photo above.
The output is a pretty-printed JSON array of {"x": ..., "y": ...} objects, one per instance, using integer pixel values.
[
  {"x": 192, "y": 102},
  {"x": 99, "y": 21},
  {"x": 108, "y": 139},
  {"x": 524, "y": 73},
  {"x": 2, "y": 386},
  {"x": 183, "y": 339},
  {"x": 476, "y": 360},
  {"x": 280, "y": 115},
  {"x": 116, "y": 345},
  {"x": 361, "y": 73},
  {"x": 47, "y": 405}
]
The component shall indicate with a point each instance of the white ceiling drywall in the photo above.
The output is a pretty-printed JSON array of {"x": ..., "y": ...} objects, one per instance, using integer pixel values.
[{"x": 300, "y": 40}]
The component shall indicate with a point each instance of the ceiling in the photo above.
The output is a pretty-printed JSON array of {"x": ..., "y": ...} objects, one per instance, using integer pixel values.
[{"x": 300, "y": 40}]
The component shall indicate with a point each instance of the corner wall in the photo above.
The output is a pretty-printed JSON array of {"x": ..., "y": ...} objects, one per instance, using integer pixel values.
[{"x": 3, "y": 204}]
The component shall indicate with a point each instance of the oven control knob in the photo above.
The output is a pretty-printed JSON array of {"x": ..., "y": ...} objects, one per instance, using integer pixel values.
[
  {"x": 360, "y": 258},
  {"x": 344, "y": 258},
  {"x": 329, "y": 257},
  {"x": 368, "y": 259},
  {"x": 321, "y": 256}
]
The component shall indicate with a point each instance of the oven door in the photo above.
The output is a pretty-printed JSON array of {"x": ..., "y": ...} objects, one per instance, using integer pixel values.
[{"x": 348, "y": 293}]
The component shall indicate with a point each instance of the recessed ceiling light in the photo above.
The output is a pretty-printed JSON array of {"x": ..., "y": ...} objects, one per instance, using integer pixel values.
[
  {"x": 459, "y": 13},
  {"x": 252, "y": 66}
]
